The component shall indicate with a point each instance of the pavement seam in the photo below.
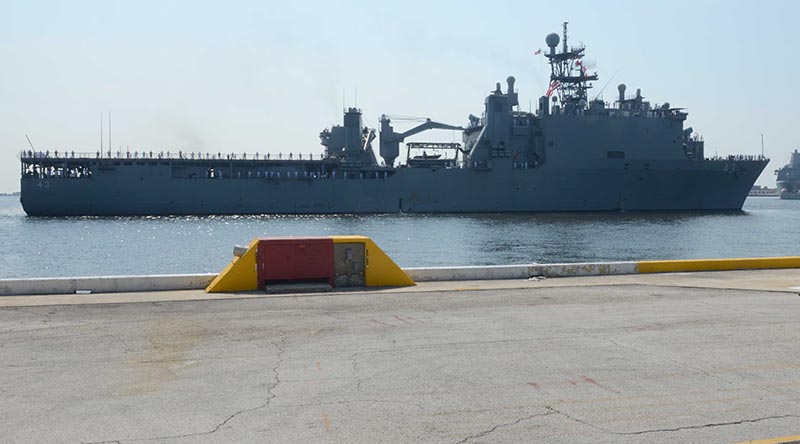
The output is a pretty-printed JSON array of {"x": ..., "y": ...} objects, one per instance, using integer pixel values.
[
  {"x": 464, "y": 343},
  {"x": 279, "y": 345},
  {"x": 356, "y": 370},
  {"x": 679, "y": 363},
  {"x": 700, "y": 287},
  {"x": 713, "y": 424},
  {"x": 665, "y": 430},
  {"x": 352, "y": 401},
  {"x": 498, "y": 426},
  {"x": 392, "y": 291}
]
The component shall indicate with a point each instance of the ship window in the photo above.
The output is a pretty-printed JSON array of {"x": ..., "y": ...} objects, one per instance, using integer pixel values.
[{"x": 615, "y": 154}]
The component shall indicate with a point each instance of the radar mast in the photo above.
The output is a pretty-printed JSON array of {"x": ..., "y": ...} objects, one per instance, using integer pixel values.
[{"x": 569, "y": 78}]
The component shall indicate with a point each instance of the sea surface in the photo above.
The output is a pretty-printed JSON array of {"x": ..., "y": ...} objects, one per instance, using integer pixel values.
[{"x": 92, "y": 246}]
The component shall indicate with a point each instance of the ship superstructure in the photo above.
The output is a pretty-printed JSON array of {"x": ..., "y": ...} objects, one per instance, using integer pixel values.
[
  {"x": 788, "y": 180},
  {"x": 572, "y": 153}
]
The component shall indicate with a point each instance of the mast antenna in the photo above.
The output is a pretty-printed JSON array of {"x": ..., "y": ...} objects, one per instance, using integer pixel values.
[
  {"x": 29, "y": 142},
  {"x": 762, "y": 144},
  {"x": 102, "y": 147},
  {"x": 109, "y": 134},
  {"x": 604, "y": 86},
  {"x": 571, "y": 87}
]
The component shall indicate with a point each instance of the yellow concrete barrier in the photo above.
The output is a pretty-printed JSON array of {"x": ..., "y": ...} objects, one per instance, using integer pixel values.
[
  {"x": 672, "y": 266},
  {"x": 242, "y": 273},
  {"x": 381, "y": 271},
  {"x": 239, "y": 275}
]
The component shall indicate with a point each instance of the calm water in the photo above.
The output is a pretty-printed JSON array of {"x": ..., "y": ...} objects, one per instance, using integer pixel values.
[{"x": 44, "y": 247}]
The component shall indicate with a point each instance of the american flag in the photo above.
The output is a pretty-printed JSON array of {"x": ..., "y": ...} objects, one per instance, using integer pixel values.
[
  {"x": 554, "y": 84},
  {"x": 537, "y": 52},
  {"x": 580, "y": 64}
]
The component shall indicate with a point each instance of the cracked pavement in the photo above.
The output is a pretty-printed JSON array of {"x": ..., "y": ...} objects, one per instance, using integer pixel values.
[{"x": 583, "y": 364}]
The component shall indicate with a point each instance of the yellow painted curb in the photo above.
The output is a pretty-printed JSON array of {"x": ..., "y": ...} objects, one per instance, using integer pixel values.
[
  {"x": 381, "y": 270},
  {"x": 781, "y": 440},
  {"x": 239, "y": 275},
  {"x": 718, "y": 264}
]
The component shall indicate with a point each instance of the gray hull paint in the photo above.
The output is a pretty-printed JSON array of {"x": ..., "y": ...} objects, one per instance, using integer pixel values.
[
  {"x": 585, "y": 155},
  {"x": 615, "y": 186}
]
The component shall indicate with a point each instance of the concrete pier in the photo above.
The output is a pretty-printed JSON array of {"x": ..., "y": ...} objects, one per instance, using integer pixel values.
[{"x": 665, "y": 358}]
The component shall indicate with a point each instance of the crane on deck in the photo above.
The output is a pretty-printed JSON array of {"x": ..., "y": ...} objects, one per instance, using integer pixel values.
[{"x": 390, "y": 140}]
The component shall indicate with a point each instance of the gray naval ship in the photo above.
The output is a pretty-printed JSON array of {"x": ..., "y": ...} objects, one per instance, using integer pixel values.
[
  {"x": 789, "y": 177},
  {"x": 572, "y": 154}
]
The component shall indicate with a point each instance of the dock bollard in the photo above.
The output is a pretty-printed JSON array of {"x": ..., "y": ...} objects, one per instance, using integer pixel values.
[{"x": 239, "y": 250}]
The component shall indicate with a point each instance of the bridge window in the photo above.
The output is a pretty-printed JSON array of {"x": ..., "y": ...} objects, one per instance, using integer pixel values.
[{"x": 615, "y": 154}]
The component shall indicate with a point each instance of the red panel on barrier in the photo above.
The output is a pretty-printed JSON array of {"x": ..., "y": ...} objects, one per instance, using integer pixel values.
[{"x": 295, "y": 259}]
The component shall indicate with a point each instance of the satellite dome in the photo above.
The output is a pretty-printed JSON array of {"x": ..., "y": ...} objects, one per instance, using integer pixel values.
[
  {"x": 552, "y": 40},
  {"x": 510, "y": 80}
]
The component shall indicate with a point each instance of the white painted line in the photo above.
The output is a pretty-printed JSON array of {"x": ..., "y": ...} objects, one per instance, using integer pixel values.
[
  {"x": 469, "y": 273},
  {"x": 587, "y": 269},
  {"x": 117, "y": 284},
  {"x": 104, "y": 284}
]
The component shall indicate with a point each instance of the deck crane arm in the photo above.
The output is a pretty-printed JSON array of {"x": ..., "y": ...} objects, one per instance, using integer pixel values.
[
  {"x": 427, "y": 125},
  {"x": 390, "y": 140}
]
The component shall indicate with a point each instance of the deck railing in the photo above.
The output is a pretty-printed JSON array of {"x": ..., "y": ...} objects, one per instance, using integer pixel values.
[
  {"x": 155, "y": 155},
  {"x": 738, "y": 157}
]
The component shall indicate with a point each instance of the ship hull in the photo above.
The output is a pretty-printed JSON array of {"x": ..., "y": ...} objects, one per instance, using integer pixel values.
[{"x": 617, "y": 186}]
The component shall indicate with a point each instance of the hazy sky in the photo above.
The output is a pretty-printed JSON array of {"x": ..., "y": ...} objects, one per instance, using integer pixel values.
[{"x": 261, "y": 76}]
